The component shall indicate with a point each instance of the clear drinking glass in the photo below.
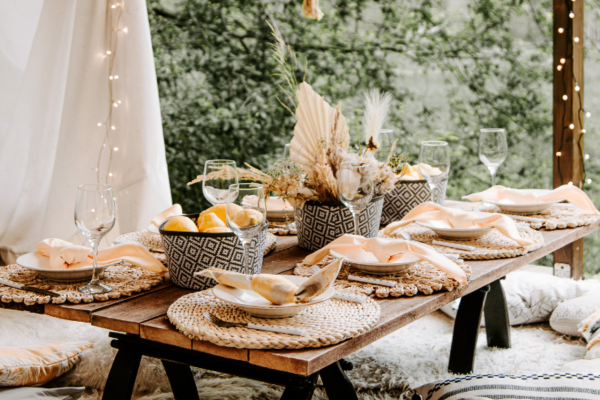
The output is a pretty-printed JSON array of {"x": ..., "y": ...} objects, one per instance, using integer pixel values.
[
  {"x": 355, "y": 188},
  {"x": 218, "y": 176},
  {"x": 434, "y": 163},
  {"x": 246, "y": 217},
  {"x": 492, "y": 149},
  {"x": 386, "y": 139},
  {"x": 286, "y": 152},
  {"x": 95, "y": 215}
]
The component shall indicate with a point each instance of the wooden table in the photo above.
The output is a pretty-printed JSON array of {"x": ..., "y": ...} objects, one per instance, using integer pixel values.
[{"x": 145, "y": 331}]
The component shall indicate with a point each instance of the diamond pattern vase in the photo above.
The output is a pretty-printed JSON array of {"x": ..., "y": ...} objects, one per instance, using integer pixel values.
[
  {"x": 406, "y": 196},
  {"x": 189, "y": 252},
  {"x": 319, "y": 224}
]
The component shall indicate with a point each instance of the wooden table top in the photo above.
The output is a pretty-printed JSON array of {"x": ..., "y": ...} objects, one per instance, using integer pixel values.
[{"x": 143, "y": 314}]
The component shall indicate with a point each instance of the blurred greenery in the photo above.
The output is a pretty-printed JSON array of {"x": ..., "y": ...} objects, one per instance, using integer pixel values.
[{"x": 452, "y": 66}]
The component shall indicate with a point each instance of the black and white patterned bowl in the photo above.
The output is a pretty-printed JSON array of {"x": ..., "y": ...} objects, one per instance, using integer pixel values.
[
  {"x": 406, "y": 196},
  {"x": 190, "y": 252},
  {"x": 319, "y": 224}
]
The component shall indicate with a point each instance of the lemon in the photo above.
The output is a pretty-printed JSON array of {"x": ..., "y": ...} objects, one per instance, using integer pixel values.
[
  {"x": 217, "y": 229},
  {"x": 208, "y": 221},
  {"x": 219, "y": 210},
  {"x": 247, "y": 217},
  {"x": 180, "y": 224}
]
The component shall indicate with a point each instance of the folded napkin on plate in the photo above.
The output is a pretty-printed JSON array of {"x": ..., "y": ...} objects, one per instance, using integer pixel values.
[
  {"x": 273, "y": 203},
  {"x": 276, "y": 288},
  {"x": 65, "y": 255},
  {"x": 172, "y": 211},
  {"x": 570, "y": 193},
  {"x": 429, "y": 211},
  {"x": 385, "y": 250}
]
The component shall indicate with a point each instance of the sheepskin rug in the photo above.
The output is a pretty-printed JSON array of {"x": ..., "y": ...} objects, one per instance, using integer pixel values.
[{"x": 410, "y": 357}]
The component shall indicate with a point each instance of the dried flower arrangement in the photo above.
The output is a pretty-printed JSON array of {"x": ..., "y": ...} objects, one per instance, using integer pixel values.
[{"x": 321, "y": 143}]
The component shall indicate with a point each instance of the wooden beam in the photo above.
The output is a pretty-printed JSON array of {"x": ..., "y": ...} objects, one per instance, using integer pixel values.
[{"x": 568, "y": 111}]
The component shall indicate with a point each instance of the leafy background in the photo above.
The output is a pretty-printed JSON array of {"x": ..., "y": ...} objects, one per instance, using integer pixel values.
[{"x": 453, "y": 67}]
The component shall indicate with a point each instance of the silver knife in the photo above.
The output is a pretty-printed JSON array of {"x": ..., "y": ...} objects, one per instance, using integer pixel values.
[{"x": 28, "y": 288}]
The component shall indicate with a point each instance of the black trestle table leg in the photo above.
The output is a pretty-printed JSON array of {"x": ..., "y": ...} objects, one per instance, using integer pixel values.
[
  {"x": 466, "y": 330},
  {"x": 302, "y": 389},
  {"x": 121, "y": 378},
  {"x": 337, "y": 385},
  {"x": 495, "y": 312},
  {"x": 182, "y": 380}
]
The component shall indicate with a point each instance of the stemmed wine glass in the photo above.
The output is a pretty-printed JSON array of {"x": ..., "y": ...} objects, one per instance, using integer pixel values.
[
  {"x": 244, "y": 217},
  {"x": 434, "y": 163},
  {"x": 287, "y": 152},
  {"x": 355, "y": 188},
  {"x": 95, "y": 215},
  {"x": 218, "y": 176},
  {"x": 492, "y": 149},
  {"x": 386, "y": 139}
]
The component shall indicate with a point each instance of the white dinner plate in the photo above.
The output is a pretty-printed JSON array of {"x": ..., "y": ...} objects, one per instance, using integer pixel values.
[
  {"x": 457, "y": 233},
  {"x": 532, "y": 208},
  {"x": 375, "y": 267},
  {"x": 41, "y": 265},
  {"x": 256, "y": 305}
]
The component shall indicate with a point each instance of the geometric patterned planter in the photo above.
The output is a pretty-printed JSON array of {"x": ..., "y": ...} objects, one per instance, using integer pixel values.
[
  {"x": 406, "y": 196},
  {"x": 318, "y": 224},
  {"x": 189, "y": 252}
]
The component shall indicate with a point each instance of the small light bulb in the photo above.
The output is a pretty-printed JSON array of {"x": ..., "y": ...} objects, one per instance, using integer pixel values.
[
  {"x": 110, "y": 77},
  {"x": 116, "y": 149},
  {"x": 113, "y": 127},
  {"x": 93, "y": 210},
  {"x": 588, "y": 114},
  {"x": 119, "y": 102},
  {"x": 558, "y": 154},
  {"x": 108, "y": 52},
  {"x": 560, "y": 30},
  {"x": 116, "y": 76},
  {"x": 125, "y": 29},
  {"x": 570, "y": 183},
  {"x": 115, "y": 104},
  {"x": 572, "y": 126},
  {"x": 586, "y": 157},
  {"x": 562, "y": 60},
  {"x": 571, "y": 15},
  {"x": 559, "y": 67},
  {"x": 110, "y": 174},
  {"x": 583, "y": 131},
  {"x": 577, "y": 88},
  {"x": 99, "y": 123},
  {"x": 113, "y": 6},
  {"x": 565, "y": 97},
  {"x": 576, "y": 39},
  {"x": 588, "y": 181}
]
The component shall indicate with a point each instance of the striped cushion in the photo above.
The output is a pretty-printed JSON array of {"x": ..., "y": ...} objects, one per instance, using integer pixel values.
[{"x": 563, "y": 386}]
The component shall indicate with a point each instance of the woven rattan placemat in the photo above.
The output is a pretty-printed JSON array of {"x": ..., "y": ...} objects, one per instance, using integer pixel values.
[
  {"x": 282, "y": 228},
  {"x": 125, "y": 280},
  {"x": 489, "y": 247},
  {"x": 153, "y": 242},
  {"x": 552, "y": 218},
  {"x": 422, "y": 277},
  {"x": 326, "y": 323}
]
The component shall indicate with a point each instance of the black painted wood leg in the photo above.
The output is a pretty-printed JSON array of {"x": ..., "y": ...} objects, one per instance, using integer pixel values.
[
  {"x": 302, "y": 389},
  {"x": 466, "y": 330},
  {"x": 497, "y": 326},
  {"x": 337, "y": 385},
  {"x": 121, "y": 379},
  {"x": 182, "y": 380}
]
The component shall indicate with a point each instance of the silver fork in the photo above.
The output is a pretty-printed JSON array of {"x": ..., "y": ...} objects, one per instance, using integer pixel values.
[{"x": 251, "y": 325}]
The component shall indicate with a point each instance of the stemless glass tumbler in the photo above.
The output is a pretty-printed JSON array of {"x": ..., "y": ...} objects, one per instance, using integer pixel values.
[
  {"x": 434, "y": 163},
  {"x": 95, "y": 215},
  {"x": 355, "y": 188}
]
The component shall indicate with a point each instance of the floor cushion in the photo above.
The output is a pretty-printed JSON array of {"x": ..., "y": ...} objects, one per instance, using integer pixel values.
[
  {"x": 543, "y": 386},
  {"x": 569, "y": 314},
  {"x": 38, "y": 365},
  {"x": 29, "y": 393}
]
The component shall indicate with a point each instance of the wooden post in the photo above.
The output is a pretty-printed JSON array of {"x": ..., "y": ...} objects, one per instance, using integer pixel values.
[{"x": 568, "y": 114}]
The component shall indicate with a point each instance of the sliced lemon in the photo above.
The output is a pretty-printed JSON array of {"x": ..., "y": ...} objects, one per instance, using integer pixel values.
[{"x": 180, "y": 224}]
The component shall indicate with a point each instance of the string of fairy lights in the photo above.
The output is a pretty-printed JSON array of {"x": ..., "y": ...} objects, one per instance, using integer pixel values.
[
  {"x": 571, "y": 40},
  {"x": 114, "y": 12}
]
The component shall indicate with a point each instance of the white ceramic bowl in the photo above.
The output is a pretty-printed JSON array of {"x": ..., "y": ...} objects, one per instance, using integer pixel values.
[
  {"x": 41, "y": 265},
  {"x": 256, "y": 305},
  {"x": 378, "y": 268},
  {"x": 456, "y": 233}
]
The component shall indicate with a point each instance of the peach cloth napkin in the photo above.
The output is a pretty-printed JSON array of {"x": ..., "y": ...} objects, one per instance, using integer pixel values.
[
  {"x": 570, "y": 193},
  {"x": 66, "y": 255},
  {"x": 172, "y": 211},
  {"x": 459, "y": 219},
  {"x": 276, "y": 288},
  {"x": 409, "y": 173},
  {"x": 387, "y": 250}
]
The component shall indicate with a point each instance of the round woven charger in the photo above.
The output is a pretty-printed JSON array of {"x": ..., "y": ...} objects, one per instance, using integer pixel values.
[
  {"x": 125, "y": 280},
  {"x": 282, "y": 228},
  {"x": 488, "y": 247},
  {"x": 421, "y": 277},
  {"x": 326, "y": 323},
  {"x": 154, "y": 242}
]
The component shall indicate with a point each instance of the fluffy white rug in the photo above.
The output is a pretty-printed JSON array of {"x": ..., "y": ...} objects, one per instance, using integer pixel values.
[{"x": 410, "y": 357}]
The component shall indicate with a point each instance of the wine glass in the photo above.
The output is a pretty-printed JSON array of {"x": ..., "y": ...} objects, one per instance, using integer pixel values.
[
  {"x": 492, "y": 149},
  {"x": 246, "y": 213},
  {"x": 434, "y": 163},
  {"x": 95, "y": 215},
  {"x": 286, "y": 152},
  {"x": 355, "y": 188},
  {"x": 386, "y": 140},
  {"x": 218, "y": 176}
]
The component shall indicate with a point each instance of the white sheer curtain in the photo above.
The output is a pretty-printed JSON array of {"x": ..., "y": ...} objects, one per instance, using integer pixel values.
[{"x": 54, "y": 90}]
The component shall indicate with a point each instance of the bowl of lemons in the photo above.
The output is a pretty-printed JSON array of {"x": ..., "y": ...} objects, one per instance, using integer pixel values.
[{"x": 194, "y": 242}]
